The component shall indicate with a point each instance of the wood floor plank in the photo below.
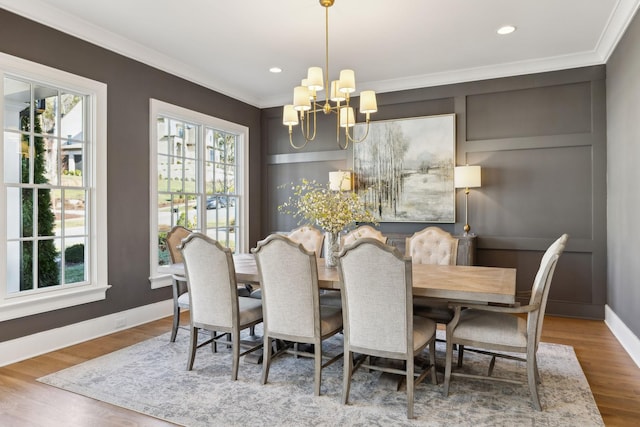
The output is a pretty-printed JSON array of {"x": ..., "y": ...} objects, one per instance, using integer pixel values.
[{"x": 613, "y": 376}]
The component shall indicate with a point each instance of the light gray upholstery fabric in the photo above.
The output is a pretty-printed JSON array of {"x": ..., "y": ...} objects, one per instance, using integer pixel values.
[
  {"x": 291, "y": 301},
  {"x": 378, "y": 314},
  {"x": 423, "y": 330},
  {"x": 501, "y": 329},
  {"x": 183, "y": 300},
  {"x": 432, "y": 245},
  {"x": 362, "y": 232},
  {"x": 311, "y": 238},
  {"x": 285, "y": 280},
  {"x": 215, "y": 305},
  {"x": 496, "y": 328},
  {"x": 377, "y": 299},
  {"x": 208, "y": 274}
]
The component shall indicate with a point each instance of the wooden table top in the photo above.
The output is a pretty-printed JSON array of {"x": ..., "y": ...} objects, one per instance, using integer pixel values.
[{"x": 446, "y": 282}]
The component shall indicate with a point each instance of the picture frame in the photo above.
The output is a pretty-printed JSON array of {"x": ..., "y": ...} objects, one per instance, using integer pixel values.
[{"x": 404, "y": 168}]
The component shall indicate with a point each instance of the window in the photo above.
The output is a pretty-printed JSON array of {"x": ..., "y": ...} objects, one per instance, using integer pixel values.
[
  {"x": 198, "y": 180},
  {"x": 54, "y": 249}
]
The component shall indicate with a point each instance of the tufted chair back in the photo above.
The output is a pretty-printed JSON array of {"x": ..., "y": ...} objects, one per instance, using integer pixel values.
[
  {"x": 311, "y": 238},
  {"x": 432, "y": 245},
  {"x": 362, "y": 232}
]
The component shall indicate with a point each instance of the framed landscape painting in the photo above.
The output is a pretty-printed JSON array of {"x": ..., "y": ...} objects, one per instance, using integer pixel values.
[{"x": 404, "y": 169}]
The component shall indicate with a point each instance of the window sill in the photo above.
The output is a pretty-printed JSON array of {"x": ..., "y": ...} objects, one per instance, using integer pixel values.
[
  {"x": 160, "y": 280},
  {"x": 13, "y": 308}
]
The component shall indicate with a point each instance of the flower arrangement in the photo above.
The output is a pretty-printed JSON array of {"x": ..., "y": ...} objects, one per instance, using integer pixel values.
[{"x": 330, "y": 210}]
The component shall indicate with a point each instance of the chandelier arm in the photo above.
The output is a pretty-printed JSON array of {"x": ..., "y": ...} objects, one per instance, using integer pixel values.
[
  {"x": 297, "y": 147},
  {"x": 356, "y": 141}
]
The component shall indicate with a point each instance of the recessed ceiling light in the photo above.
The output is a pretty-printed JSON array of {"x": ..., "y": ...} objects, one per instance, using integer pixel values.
[
  {"x": 275, "y": 70},
  {"x": 507, "y": 29}
]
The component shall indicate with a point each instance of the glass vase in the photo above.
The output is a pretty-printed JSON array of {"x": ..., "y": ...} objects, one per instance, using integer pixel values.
[{"x": 331, "y": 249}]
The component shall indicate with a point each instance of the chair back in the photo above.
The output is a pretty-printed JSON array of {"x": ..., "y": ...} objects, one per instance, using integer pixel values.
[
  {"x": 541, "y": 285},
  {"x": 376, "y": 298},
  {"x": 174, "y": 238},
  {"x": 362, "y": 232},
  {"x": 211, "y": 281},
  {"x": 311, "y": 238},
  {"x": 289, "y": 283},
  {"x": 432, "y": 245}
]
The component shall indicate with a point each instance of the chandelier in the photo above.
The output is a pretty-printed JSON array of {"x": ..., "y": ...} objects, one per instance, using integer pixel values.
[{"x": 306, "y": 105}]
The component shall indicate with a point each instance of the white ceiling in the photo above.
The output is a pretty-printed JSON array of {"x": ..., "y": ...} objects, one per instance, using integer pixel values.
[{"x": 230, "y": 45}]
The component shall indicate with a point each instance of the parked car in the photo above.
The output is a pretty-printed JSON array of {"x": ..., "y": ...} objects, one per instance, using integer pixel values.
[{"x": 215, "y": 202}]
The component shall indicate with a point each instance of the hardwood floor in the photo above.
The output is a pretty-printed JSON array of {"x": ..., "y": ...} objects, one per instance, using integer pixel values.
[{"x": 612, "y": 374}]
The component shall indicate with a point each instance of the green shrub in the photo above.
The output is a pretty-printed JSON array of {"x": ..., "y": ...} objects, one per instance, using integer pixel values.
[{"x": 74, "y": 254}]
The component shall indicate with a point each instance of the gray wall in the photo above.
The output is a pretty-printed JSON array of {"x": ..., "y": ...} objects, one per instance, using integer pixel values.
[
  {"x": 623, "y": 154},
  {"x": 130, "y": 86},
  {"x": 541, "y": 140}
]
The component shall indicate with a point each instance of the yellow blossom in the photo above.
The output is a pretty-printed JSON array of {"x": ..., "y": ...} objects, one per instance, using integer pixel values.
[{"x": 330, "y": 210}]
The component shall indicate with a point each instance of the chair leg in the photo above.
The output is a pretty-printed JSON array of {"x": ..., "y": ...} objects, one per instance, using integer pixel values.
[
  {"x": 410, "y": 386},
  {"x": 460, "y": 355},
  {"x": 192, "y": 348},
  {"x": 432, "y": 357},
  {"x": 176, "y": 321},
  {"x": 447, "y": 367},
  {"x": 346, "y": 379},
  {"x": 531, "y": 379},
  {"x": 266, "y": 358},
  {"x": 318, "y": 367},
  {"x": 235, "y": 348}
]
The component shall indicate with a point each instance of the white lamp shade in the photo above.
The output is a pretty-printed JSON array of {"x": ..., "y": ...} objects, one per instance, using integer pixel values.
[
  {"x": 347, "y": 117},
  {"x": 368, "y": 103},
  {"x": 289, "y": 116},
  {"x": 314, "y": 78},
  {"x": 301, "y": 96},
  {"x": 467, "y": 176},
  {"x": 347, "y": 81},
  {"x": 340, "y": 181},
  {"x": 336, "y": 95},
  {"x": 305, "y": 83}
]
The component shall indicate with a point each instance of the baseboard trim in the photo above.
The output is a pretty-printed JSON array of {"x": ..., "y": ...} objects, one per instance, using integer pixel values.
[
  {"x": 22, "y": 348},
  {"x": 627, "y": 338}
]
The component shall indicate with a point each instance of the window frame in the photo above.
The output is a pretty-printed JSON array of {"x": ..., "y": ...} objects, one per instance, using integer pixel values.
[
  {"x": 42, "y": 300},
  {"x": 158, "y": 275}
]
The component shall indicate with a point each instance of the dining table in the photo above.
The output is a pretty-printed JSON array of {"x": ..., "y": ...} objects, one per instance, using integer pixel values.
[{"x": 452, "y": 283}]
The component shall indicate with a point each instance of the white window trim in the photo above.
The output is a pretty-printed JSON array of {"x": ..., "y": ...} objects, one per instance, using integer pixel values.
[
  {"x": 16, "y": 306},
  {"x": 157, "y": 276}
]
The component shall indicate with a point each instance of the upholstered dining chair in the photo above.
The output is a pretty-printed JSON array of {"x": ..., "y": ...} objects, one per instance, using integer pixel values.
[
  {"x": 311, "y": 238},
  {"x": 291, "y": 303},
  {"x": 213, "y": 298},
  {"x": 178, "y": 283},
  {"x": 377, "y": 308},
  {"x": 493, "y": 330},
  {"x": 333, "y": 298},
  {"x": 362, "y": 232},
  {"x": 432, "y": 245}
]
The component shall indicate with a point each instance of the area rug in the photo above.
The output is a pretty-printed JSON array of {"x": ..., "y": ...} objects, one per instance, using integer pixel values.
[{"x": 150, "y": 378}]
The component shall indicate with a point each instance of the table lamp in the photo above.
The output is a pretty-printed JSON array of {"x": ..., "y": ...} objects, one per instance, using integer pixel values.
[
  {"x": 467, "y": 177},
  {"x": 340, "y": 181}
]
